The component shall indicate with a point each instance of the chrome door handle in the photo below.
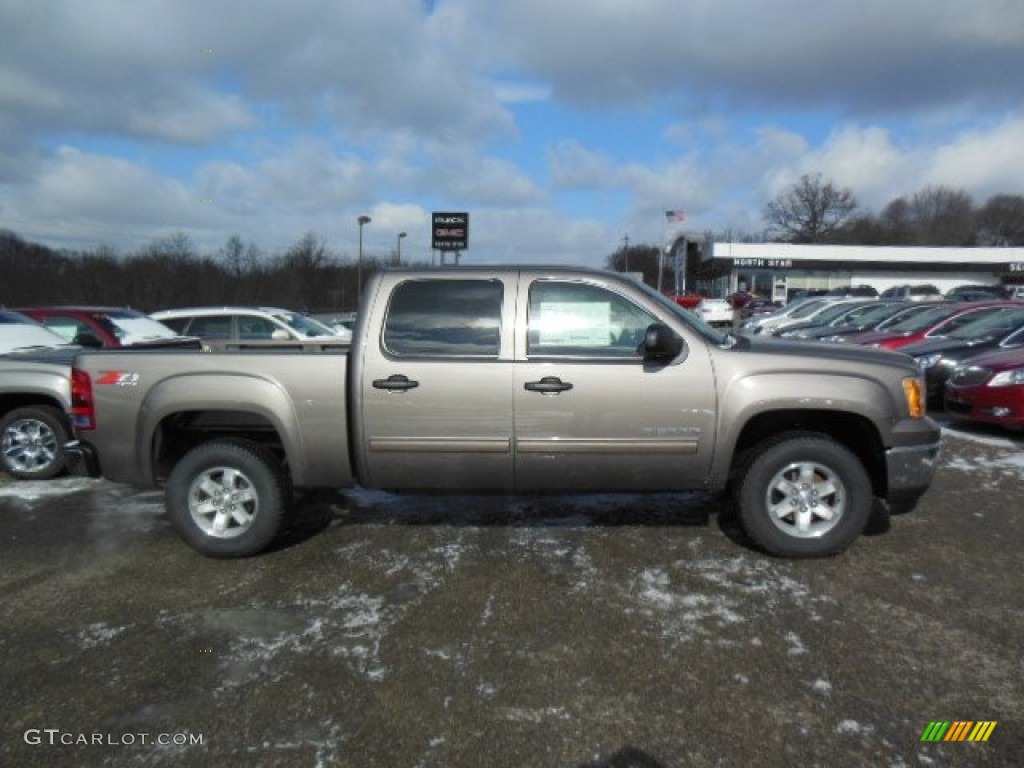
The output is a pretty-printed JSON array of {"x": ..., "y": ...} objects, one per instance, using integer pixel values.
[
  {"x": 549, "y": 385},
  {"x": 395, "y": 383}
]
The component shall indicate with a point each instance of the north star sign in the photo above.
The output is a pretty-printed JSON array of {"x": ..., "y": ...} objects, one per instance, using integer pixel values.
[{"x": 450, "y": 231}]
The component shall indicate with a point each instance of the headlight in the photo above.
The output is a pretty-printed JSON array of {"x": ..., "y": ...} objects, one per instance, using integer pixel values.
[
  {"x": 1009, "y": 378},
  {"x": 927, "y": 361}
]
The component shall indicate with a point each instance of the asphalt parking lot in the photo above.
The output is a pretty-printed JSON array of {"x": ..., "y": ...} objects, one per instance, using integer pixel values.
[{"x": 594, "y": 632}]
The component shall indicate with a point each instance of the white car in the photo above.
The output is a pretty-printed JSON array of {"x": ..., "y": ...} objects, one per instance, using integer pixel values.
[
  {"x": 18, "y": 331},
  {"x": 714, "y": 311},
  {"x": 220, "y": 325}
]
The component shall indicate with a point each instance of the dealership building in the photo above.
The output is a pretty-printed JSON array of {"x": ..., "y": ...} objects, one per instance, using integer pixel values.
[{"x": 775, "y": 270}]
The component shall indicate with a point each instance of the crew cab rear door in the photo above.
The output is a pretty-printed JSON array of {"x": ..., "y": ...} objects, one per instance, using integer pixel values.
[
  {"x": 435, "y": 383},
  {"x": 590, "y": 413}
]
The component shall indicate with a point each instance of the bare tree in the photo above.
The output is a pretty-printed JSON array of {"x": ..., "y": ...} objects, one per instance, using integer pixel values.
[
  {"x": 1001, "y": 221},
  {"x": 811, "y": 211},
  {"x": 943, "y": 216}
]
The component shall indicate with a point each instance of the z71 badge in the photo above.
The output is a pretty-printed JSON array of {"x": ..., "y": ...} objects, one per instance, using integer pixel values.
[{"x": 118, "y": 378}]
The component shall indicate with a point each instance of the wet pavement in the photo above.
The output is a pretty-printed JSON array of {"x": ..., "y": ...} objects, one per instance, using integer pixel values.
[{"x": 592, "y": 632}]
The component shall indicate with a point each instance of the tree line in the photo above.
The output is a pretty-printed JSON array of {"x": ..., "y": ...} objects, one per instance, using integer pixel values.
[
  {"x": 818, "y": 211},
  {"x": 171, "y": 272}
]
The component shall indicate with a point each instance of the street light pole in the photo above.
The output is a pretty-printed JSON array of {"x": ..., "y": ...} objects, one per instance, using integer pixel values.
[
  {"x": 398, "y": 252},
  {"x": 359, "y": 269}
]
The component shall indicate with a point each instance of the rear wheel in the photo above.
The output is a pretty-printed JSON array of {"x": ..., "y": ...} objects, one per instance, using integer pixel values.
[
  {"x": 32, "y": 442},
  {"x": 804, "y": 496},
  {"x": 227, "y": 498}
]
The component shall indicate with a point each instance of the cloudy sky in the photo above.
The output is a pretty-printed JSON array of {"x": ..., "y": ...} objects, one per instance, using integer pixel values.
[{"x": 562, "y": 126}]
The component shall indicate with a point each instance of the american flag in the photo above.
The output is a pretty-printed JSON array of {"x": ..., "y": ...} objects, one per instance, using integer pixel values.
[{"x": 675, "y": 217}]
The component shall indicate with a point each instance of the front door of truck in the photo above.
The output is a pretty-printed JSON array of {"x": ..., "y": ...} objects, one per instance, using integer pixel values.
[
  {"x": 436, "y": 386},
  {"x": 590, "y": 413}
]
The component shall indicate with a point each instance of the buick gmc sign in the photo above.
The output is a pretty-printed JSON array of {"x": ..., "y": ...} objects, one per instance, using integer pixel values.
[{"x": 450, "y": 231}]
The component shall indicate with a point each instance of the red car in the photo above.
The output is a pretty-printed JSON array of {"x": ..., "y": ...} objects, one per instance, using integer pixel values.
[
  {"x": 989, "y": 388},
  {"x": 106, "y": 327},
  {"x": 937, "y": 321},
  {"x": 686, "y": 299}
]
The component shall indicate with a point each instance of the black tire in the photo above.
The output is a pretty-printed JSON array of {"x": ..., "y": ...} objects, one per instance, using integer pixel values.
[
  {"x": 227, "y": 498},
  {"x": 32, "y": 442},
  {"x": 804, "y": 495}
]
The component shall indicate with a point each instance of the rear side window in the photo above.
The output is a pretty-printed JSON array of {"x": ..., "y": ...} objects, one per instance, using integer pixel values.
[
  {"x": 211, "y": 327},
  {"x": 444, "y": 318}
]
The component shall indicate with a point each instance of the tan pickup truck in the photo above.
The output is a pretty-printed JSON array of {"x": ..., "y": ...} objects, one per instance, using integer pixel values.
[{"x": 514, "y": 379}]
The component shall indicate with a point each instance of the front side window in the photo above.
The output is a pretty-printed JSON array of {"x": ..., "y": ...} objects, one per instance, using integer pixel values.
[
  {"x": 444, "y": 318},
  {"x": 582, "y": 320}
]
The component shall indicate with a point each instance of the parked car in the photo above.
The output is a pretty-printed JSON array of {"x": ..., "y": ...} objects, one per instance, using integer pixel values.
[
  {"x": 715, "y": 311},
  {"x": 19, "y": 331},
  {"x": 925, "y": 292},
  {"x": 939, "y": 356},
  {"x": 342, "y": 323},
  {"x": 827, "y": 315},
  {"x": 687, "y": 299},
  {"x": 854, "y": 320},
  {"x": 34, "y": 377},
  {"x": 976, "y": 293},
  {"x": 33, "y": 421},
  {"x": 799, "y": 308},
  {"x": 937, "y": 321},
  {"x": 106, "y": 327},
  {"x": 829, "y": 307},
  {"x": 758, "y": 307},
  {"x": 739, "y": 299},
  {"x": 988, "y": 388},
  {"x": 853, "y": 291},
  {"x": 221, "y": 327}
]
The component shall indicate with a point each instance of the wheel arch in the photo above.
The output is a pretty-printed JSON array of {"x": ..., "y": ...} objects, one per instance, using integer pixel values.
[{"x": 856, "y": 433}]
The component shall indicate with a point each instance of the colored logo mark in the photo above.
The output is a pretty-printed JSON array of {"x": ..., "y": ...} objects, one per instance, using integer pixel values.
[{"x": 958, "y": 730}]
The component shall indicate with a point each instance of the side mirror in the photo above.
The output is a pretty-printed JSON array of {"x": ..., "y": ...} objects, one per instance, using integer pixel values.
[
  {"x": 661, "y": 344},
  {"x": 280, "y": 334}
]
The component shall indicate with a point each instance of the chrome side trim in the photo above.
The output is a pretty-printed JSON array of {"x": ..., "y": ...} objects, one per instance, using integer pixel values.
[
  {"x": 605, "y": 446},
  {"x": 442, "y": 444}
]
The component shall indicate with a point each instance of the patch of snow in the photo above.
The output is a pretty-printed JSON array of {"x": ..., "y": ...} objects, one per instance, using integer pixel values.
[
  {"x": 98, "y": 634},
  {"x": 853, "y": 727},
  {"x": 33, "y": 490}
]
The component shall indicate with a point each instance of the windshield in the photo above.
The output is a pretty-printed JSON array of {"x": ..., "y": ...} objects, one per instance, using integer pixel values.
[
  {"x": 304, "y": 325},
  {"x": 997, "y": 323},
  {"x": 810, "y": 308},
  {"x": 15, "y": 335},
  {"x": 871, "y": 313},
  {"x": 827, "y": 314},
  {"x": 130, "y": 327},
  {"x": 923, "y": 320},
  {"x": 688, "y": 317}
]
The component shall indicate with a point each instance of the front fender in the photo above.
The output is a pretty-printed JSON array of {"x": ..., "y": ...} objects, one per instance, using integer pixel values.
[{"x": 752, "y": 396}]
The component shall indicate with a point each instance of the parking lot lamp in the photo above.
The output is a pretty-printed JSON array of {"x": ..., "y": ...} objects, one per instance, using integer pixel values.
[
  {"x": 398, "y": 251},
  {"x": 359, "y": 268}
]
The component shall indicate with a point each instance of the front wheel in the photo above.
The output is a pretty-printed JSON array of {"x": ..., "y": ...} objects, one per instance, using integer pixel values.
[
  {"x": 804, "y": 496},
  {"x": 227, "y": 498},
  {"x": 32, "y": 442}
]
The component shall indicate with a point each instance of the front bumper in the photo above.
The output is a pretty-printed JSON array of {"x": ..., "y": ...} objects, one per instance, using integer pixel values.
[
  {"x": 910, "y": 470},
  {"x": 81, "y": 459}
]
